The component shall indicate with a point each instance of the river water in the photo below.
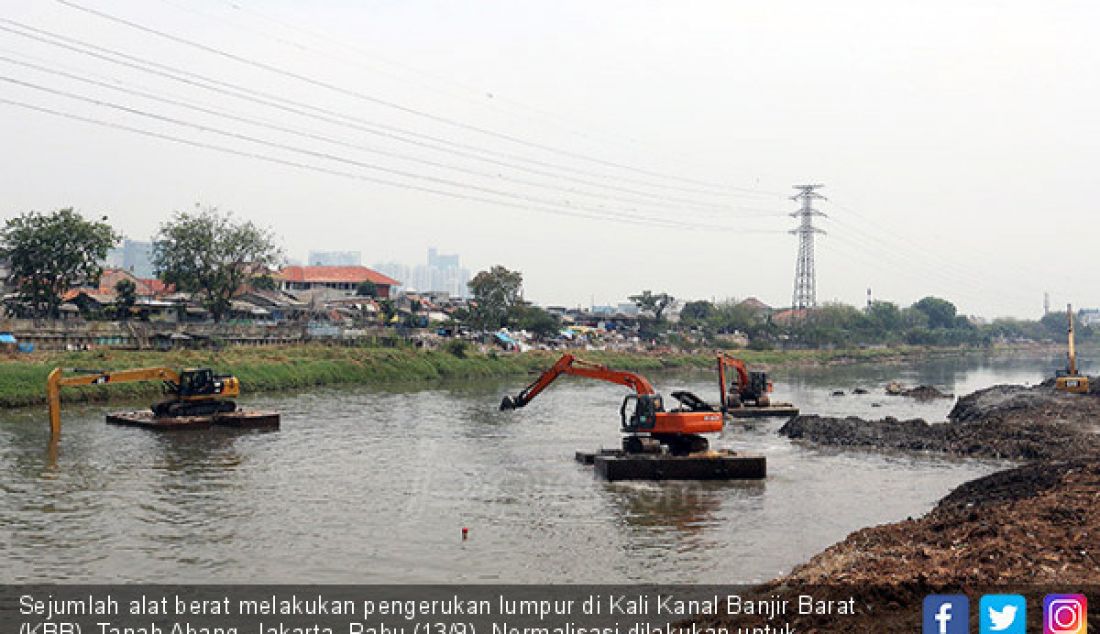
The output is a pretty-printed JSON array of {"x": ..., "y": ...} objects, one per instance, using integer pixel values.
[{"x": 367, "y": 484}]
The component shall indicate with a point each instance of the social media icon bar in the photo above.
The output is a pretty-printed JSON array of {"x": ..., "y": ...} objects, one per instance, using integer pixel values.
[
  {"x": 946, "y": 614},
  {"x": 1003, "y": 614},
  {"x": 1065, "y": 614}
]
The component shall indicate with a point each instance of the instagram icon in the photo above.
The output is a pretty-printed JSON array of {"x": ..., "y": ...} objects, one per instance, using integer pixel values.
[{"x": 1065, "y": 614}]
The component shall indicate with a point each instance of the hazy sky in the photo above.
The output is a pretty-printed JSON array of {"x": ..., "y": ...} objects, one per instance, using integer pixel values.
[{"x": 633, "y": 144}]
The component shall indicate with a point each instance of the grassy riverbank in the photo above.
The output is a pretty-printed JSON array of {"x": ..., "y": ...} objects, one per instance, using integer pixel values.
[{"x": 23, "y": 377}]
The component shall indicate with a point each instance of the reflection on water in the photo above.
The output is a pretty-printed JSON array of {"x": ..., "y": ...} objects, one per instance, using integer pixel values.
[{"x": 366, "y": 484}]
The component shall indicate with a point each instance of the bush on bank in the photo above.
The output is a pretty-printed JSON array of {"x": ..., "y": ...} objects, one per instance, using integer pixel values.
[{"x": 23, "y": 377}]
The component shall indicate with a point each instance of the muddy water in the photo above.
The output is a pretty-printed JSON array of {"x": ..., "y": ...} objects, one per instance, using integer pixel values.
[{"x": 371, "y": 485}]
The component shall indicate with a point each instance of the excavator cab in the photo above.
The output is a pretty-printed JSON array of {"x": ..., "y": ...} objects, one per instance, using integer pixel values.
[
  {"x": 199, "y": 392},
  {"x": 639, "y": 411},
  {"x": 196, "y": 382}
]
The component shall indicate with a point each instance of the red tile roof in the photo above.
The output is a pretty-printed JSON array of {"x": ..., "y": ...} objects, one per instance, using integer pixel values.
[
  {"x": 335, "y": 274},
  {"x": 143, "y": 287}
]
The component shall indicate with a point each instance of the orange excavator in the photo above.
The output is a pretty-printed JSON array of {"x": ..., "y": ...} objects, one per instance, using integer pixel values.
[
  {"x": 645, "y": 423},
  {"x": 745, "y": 388}
]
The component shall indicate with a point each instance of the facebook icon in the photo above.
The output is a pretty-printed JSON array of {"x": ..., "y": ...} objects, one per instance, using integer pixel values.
[{"x": 946, "y": 614}]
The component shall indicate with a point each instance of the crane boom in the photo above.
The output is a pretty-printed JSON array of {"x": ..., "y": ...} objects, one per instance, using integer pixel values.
[
  {"x": 1072, "y": 360},
  {"x": 568, "y": 364}
]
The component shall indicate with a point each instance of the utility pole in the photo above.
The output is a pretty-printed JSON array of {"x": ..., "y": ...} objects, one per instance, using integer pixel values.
[
  {"x": 1046, "y": 303},
  {"x": 805, "y": 284}
]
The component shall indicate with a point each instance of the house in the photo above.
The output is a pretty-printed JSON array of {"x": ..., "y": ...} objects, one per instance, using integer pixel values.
[
  {"x": 789, "y": 316},
  {"x": 281, "y": 306},
  {"x": 339, "y": 278},
  {"x": 91, "y": 302},
  {"x": 755, "y": 305},
  {"x": 143, "y": 288}
]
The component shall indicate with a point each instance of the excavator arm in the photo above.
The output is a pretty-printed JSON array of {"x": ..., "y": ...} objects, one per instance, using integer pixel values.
[
  {"x": 56, "y": 381},
  {"x": 568, "y": 364},
  {"x": 726, "y": 361}
]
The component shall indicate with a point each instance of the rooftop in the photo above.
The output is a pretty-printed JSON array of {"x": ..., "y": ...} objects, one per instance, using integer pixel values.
[{"x": 334, "y": 274}]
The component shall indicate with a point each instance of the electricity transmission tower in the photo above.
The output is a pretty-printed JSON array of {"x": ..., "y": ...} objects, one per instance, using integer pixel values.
[{"x": 805, "y": 285}]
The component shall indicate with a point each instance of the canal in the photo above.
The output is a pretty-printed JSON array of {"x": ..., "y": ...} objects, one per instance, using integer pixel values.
[{"x": 364, "y": 484}]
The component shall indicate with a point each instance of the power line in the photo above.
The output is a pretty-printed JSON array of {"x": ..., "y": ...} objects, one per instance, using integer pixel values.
[
  {"x": 330, "y": 116},
  {"x": 467, "y": 90},
  {"x": 904, "y": 260},
  {"x": 955, "y": 272},
  {"x": 606, "y": 216},
  {"x": 311, "y": 153},
  {"x": 330, "y": 140},
  {"x": 377, "y": 100}
]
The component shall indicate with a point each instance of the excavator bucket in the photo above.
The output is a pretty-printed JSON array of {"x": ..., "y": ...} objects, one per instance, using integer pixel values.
[{"x": 507, "y": 403}]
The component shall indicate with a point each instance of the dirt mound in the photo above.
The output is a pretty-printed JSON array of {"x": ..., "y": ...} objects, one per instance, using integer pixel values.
[
  {"x": 1020, "y": 403},
  {"x": 1009, "y": 486},
  {"x": 921, "y": 392},
  {"x": 925, "y": 393},
  {"x": 996, "y": 439},
  {"x": 1031, "y": 528}
]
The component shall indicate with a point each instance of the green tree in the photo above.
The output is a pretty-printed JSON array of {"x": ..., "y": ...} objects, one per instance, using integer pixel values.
[
  {"x": 697, "y": 312},
  {"x": 50, "y": 253},
  {"x": 656, "y": 303},
  {"x": 125, "y": 298},
  {"x": 212, "y": 255},
  {"x": 496, "y": 292},
  {"x": 912, "y": 318},
  {"x": 884, "y": 319},
  {"x": 535, "y": 320},
  {"x": 366, "y": 288},
  {"x": 940, "y": 312},
  {"x": 731, "y": 315}
]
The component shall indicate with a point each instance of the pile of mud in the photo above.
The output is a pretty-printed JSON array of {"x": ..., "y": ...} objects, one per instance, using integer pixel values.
[
  {"x": 1030, "y": 527},
  {"x": 1003, "y": 422},
  {"x": 1031, "y": 530},
  {"x": 1037, "y": 524},
  {"x": 1039, "y": 403},
  {"x": 921, "y": 392},
  {"x": 999, "y": 440}
]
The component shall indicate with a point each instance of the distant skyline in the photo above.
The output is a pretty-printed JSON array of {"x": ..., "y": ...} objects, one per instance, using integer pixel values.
[{"x": 600, "y": 148}]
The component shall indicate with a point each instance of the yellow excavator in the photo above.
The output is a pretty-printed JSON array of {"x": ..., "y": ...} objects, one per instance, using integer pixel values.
[
  {"x": 194, "y": 392},
  {"x": 1070, "y": 380}
]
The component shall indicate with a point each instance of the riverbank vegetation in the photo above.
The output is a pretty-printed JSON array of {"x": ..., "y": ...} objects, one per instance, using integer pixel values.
[
  {"x": 23, "y": 377},
  {"x": 932, "y": 321}
]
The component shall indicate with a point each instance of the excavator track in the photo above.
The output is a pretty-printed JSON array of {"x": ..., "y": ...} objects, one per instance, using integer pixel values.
[{"x": 176, "y": 409}]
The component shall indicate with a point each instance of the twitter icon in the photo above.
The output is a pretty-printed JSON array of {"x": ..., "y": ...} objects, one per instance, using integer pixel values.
[{"x": 1003, "y": 613}]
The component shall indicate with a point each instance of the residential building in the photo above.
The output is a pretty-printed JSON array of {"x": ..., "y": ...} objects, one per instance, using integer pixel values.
[
  {"x": 345, "y": 279},
  {"x": 1089, "y": 316},
  {"x": 335, "y": 258}
]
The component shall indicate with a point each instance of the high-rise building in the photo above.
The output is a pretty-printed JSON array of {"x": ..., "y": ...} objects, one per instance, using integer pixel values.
[
  {"x": 335, "y": 258},
  {"x": 441, "y": 273},
  {"x": 5, "y": 271},
  {"x": 134, "y": 256}
]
